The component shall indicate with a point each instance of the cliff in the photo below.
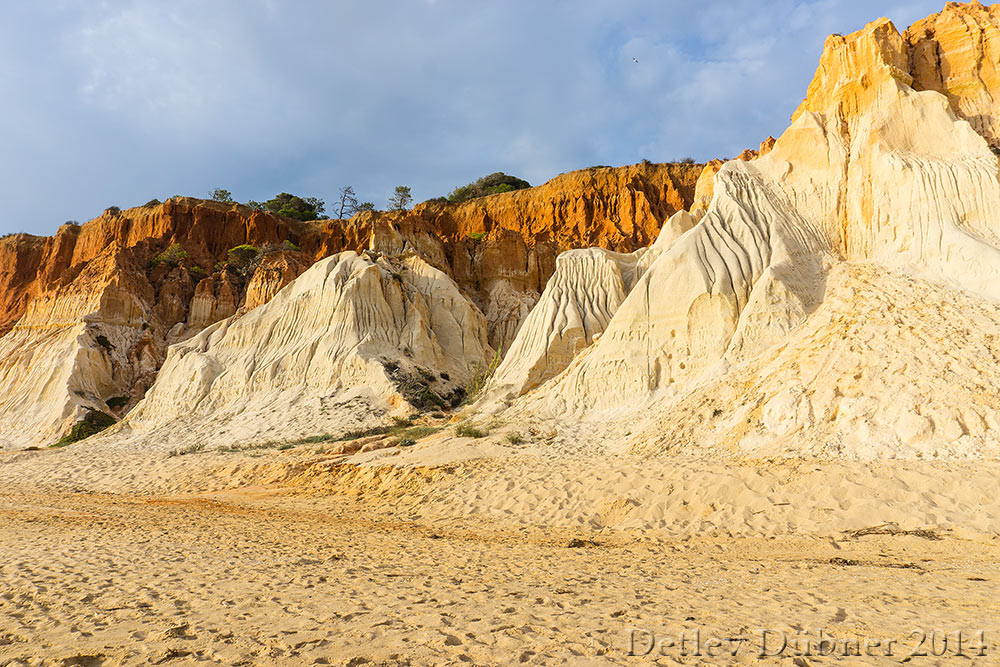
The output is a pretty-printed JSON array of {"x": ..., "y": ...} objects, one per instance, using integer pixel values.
[
  {"x": 837, "y": 298},
  {"x": 350, "y": 340},
  {"x": 90, "y": 311},
  {"x": 93, "y": 308},
  {"x": 830, "y": 295},
  {"x": 501, "y": 249},
  {"x": 956, "y": 52},
  {"x": 31, "y": 266}
]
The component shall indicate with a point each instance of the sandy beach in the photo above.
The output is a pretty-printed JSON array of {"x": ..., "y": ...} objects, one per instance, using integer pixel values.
[{"x": 489, "y": 561}]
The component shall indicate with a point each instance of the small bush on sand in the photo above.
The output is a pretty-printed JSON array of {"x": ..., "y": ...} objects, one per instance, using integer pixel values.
[
  {"x": 190, "y": 449},
  {"x": 470, "y": 431},
  {"x": 481, "y": 374},
  {"x": 95, "y": 422}
]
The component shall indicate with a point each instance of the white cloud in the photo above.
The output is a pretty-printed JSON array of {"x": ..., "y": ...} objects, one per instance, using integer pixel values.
[{"x": 118, "y": 102}]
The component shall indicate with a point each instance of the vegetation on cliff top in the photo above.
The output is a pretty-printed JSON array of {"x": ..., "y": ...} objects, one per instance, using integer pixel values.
[
  {"x": 400, "y": 198},
  {"x": 292, "y": 206},
  {"x": 488, "y": 185}
]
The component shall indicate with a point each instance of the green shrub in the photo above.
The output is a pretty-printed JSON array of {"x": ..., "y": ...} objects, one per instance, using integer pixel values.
[
  {"x": 514, "y": 438},
  {"x": 152, "y": 202},
  {"x": 293, "y": 206},
  {"x": 476, "y": 236},
  {"x": 470, "y": 431},
  {"x": 419, "y": 432},
  {"x": 172, "y": 256},
  {"x": 313, "y": 439},
  {"x": 221, "y": 195},
  {"x": 402, "y": 429},
  {"x": 112, "y": 210},
  {"x": 481, "y": 375},
  {"x": 427, "y": 398},
  {"x": 95, "y": 422},
  {"x": 488, "y": 185},
  {"x": 117, "y": 402},
  {"x": 190, "y": 449},
  {"x": 242, "y": 256},
  {"x": 364, "y": 433},
  {"x": 406, "y": 442}
]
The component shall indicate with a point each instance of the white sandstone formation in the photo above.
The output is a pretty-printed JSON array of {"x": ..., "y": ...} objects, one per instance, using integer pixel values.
[
  {"x": 579, "y": 300},
  {"x": 575, "y": 307},
  {"x": 348, "y": 341},
  {"x": 871, "y": 174},
  {"x": 72, "y": 347}
]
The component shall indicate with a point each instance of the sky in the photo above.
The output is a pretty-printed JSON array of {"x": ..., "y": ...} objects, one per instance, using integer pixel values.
[{"x": 116, "y": 103}]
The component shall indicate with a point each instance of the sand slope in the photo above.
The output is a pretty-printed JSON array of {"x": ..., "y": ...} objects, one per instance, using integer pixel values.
[{"x": 350, "y": 340}]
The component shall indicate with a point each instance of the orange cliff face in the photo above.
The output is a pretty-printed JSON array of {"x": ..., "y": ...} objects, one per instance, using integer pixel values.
[
  {"x": 93, "y": 308},
  {"x": 501, "y": 249},
  {"x": 956, "y": 52},
  {"x": 514, "y": 235},
  {"x": 88, "y": 313},
  {"x": 32, "y": 266}
]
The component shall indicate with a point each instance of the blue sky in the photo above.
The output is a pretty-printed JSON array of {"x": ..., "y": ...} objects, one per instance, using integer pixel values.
[{"x": 114, "y": 103}]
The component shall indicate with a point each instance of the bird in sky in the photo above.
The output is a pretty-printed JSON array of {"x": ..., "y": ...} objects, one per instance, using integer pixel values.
[{"x": 635, "y": 60}]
